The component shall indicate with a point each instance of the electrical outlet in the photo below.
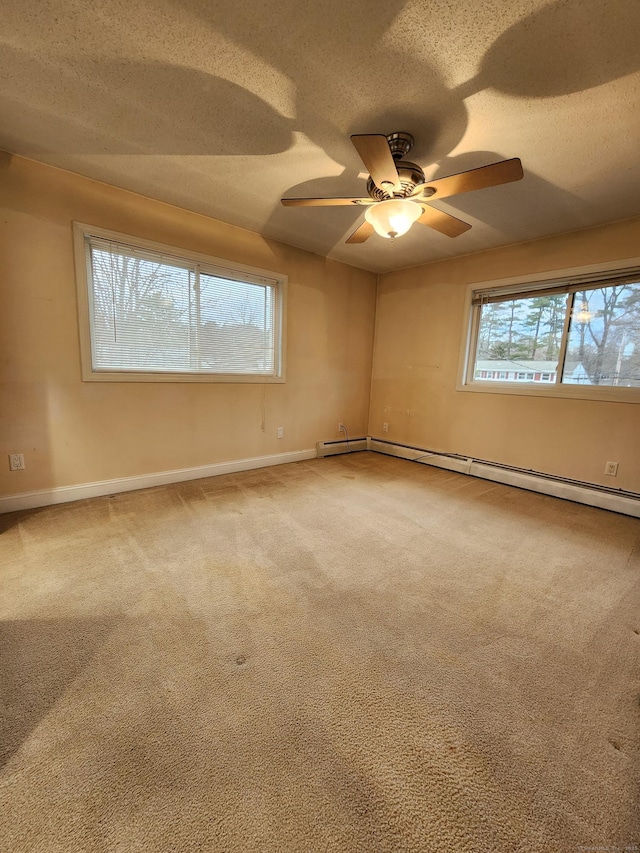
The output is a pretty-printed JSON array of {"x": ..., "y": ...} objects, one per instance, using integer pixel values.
[
  {"x": 280, "y": 432},
  {"x": 16, "y": 462},
  {"x": 385, "y": 427},
  {"x": 341, "y": 427},
  {"x": 611, "y": 469}
]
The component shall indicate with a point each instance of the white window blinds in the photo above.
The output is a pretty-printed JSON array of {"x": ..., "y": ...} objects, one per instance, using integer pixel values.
[{"x": 151, "y": 312}]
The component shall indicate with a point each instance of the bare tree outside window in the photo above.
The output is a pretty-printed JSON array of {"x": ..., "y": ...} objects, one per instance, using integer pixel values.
[
  {"x": 605, "y": 334},
  {"x": 136, "y": 302},
  {"x": 171, "y": 315}
]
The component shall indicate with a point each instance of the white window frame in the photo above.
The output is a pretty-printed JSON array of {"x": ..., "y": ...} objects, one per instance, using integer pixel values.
[
  {"x": 521, "y": 284},
  {"x": 229, "y": 269}
]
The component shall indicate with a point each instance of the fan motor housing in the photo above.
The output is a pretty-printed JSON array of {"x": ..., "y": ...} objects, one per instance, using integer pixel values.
[{"x": 411, "y": 176}]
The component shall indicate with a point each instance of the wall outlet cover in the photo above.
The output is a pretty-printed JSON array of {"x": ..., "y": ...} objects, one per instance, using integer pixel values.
[{"x": 16, "y": 462}]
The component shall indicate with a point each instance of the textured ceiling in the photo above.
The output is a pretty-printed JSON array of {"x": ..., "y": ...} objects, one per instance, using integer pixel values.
[{"x": 223, "y": 107}]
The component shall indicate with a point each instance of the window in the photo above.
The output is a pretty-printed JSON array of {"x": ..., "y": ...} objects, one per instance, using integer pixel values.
[
  {"x": 582, "y": 332},
  {"x": 152, "y": 313}
]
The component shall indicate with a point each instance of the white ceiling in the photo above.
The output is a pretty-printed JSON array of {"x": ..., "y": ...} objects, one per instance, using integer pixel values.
[{"x": 224, "y": 106}]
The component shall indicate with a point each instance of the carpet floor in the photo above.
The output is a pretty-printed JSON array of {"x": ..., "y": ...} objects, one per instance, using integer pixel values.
[{"x": 351, "y": 654}]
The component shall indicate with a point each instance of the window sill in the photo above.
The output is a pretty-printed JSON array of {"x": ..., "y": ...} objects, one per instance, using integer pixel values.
[
  {"x": 604, "y": 393},
  {"x": 211, "y": 378}
]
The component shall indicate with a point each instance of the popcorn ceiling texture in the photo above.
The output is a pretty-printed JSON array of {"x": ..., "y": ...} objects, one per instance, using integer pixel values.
[
  {"x": 350, "y": 654},
  {"x": 224, "y": 107}
]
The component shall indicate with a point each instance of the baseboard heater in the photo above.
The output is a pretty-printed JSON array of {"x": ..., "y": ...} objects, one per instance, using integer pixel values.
[
  {"x": 615, "y": 500},
  {"x": 341, "y": 445}
]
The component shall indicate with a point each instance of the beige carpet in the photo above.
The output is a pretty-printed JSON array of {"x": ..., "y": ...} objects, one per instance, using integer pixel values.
[{"x": 350, "y": 654}]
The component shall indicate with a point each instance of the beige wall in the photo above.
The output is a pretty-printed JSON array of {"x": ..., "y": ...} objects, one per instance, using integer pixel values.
[
  {"x": 75, "y": 432},
  {"x": 419, "y": 329}
]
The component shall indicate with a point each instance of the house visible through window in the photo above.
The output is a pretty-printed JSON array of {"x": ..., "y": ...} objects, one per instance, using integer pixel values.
[
  {"x": 581, "y": 332},
  {"x": 154, "y": 313}
]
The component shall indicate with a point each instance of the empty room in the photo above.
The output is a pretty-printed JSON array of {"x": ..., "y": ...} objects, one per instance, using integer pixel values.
[{"x": 320, "y": 426}]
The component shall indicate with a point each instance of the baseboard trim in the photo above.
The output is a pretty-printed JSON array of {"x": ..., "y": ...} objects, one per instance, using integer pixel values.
[
  {"x": 66, "y": 494},
  {"x": 533, "y": 481},
  {"x": 585, "y": 493}
]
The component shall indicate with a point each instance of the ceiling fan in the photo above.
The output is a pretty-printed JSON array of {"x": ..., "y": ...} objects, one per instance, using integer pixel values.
[{"x": 399, "y": 194}]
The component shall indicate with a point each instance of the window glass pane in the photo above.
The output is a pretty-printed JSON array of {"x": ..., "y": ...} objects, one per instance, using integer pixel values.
[
  {"x": 604, "y": 337},
  {"x": 519, "y": 340},
  {"x": 154, "y": 313},
  {"x": 237, "y": 328},
  {"x": 141, "y": 313}
]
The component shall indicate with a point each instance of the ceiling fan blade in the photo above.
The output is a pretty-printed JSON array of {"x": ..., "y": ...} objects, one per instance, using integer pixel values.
[
  {"x": 443, "y": 222},
  {"x": 475, "y": 179},
  {"x": 375, "y": 153},
  {"x": 362, "y": 233},
  {"x": 323, "y": 202}
]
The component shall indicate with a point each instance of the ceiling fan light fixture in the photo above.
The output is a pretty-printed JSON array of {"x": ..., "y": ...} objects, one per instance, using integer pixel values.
[
  {"x": 394, "y": 217},
  {"x": 583, "y": 315},
  {"x": 397, "y": 192}
]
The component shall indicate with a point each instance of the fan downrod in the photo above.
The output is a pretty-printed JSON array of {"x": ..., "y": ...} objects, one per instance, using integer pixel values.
[
  {"x": 410, "y": 175},
  {"x": 400, "y": 144}
]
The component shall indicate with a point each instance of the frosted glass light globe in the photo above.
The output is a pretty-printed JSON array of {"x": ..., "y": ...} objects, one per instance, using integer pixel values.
[{"x": 393, "y": 217}]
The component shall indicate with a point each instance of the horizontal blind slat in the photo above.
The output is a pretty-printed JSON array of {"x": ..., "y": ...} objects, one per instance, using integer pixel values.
[{"x": 154, "y": 313}]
